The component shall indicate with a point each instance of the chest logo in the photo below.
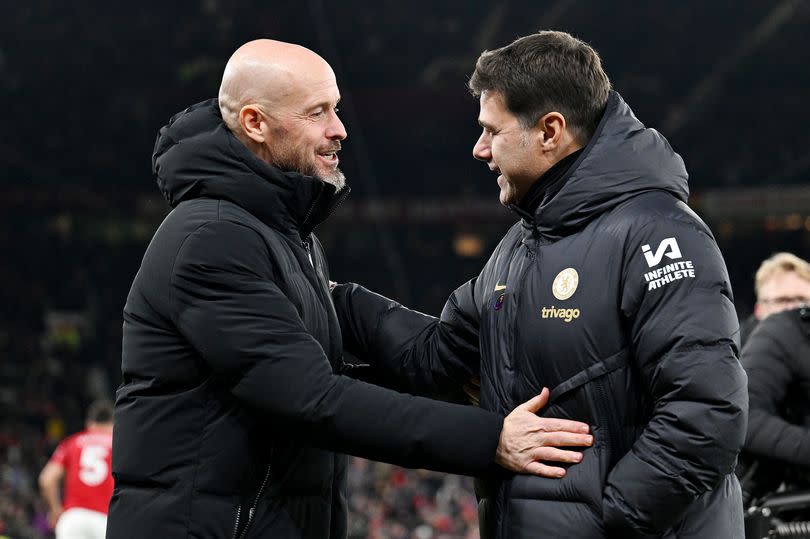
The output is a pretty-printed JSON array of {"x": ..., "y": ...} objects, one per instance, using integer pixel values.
[{"x": 565, "y": 284}]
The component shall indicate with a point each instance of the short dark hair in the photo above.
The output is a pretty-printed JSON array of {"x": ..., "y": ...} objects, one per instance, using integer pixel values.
[
  {"x": 100, "y": 411},
  {"x": 544, "y": 72}
]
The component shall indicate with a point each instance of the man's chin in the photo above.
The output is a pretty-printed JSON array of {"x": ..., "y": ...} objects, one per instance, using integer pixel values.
[
  {"x": 334, "y": 177},
  {"x": 507, "y": 197}
]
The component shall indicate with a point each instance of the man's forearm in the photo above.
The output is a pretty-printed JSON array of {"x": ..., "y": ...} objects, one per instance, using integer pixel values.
[
  {"x": 419, "y": 351},
  {"x": 50, "y": 493}
]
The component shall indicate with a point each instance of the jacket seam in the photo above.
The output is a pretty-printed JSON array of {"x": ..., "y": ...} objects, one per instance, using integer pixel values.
[
  {"x": 172, "y": 274},
  {"x": 196, "y": 466},
  {"x": 201, "y": 438},
  {"x": 173, "y": 316},
  {"x": 527, "y": 498},
  {"x": 172, "y": 297}
]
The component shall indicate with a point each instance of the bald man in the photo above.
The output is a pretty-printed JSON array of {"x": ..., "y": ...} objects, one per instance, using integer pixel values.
[{"x": 235, "y": 409}]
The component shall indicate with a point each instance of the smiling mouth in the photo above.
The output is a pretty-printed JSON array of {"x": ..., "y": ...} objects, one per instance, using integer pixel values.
[{"x": 329, "y": 157}]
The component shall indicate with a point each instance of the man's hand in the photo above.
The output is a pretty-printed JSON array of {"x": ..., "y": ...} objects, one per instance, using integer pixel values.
[{"x": 527, "y": 439}]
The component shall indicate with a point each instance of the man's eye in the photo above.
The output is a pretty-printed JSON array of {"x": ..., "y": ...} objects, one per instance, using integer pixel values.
[
  {"x": 317, "y": 114},
  {"x": 336, "y": 109}
]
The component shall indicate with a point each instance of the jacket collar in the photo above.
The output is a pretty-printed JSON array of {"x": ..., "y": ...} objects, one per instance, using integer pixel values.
[
  {"x": 545, "y": 186},
  {"x": 622, "y": 160}
]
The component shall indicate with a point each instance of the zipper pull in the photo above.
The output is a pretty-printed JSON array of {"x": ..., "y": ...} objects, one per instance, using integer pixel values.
[{"x": 305, "y": 245}]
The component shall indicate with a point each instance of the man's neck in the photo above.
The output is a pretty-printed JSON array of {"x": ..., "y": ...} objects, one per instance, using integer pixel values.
[{"x": 550, "y": 182}]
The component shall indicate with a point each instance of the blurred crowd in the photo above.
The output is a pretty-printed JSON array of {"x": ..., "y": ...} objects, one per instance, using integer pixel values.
[
  {"x": 43, "y": 398},
  {"x": 400, "y": 70},
  {"x": 387, "y": 502}
]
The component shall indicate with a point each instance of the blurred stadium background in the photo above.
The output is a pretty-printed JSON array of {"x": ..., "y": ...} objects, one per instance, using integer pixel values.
[{"x": 87, "y": 84}]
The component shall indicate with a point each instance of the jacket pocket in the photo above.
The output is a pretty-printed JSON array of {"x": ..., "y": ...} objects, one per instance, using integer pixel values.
[{"x": 583, "y": 483}]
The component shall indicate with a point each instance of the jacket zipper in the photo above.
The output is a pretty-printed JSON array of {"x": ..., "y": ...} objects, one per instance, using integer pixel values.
[
  {"x": 305, "y": 245},
  {"x": 252, "y": 509},
  {"x": 612, "y": 435},
  {"x": 340, "y": 197},
  {"x": 602, "y": 400},
  {"x": 342, "y": 194},
  {"x": 309, "y": 213},
  {"x": 505, "y": 486},
  {"x": 530, "y": 255},
  {"x": 236, "y": 524}
]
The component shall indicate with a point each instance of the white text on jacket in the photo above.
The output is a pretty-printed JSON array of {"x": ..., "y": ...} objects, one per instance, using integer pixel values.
[{"x": 669, "y": 273}]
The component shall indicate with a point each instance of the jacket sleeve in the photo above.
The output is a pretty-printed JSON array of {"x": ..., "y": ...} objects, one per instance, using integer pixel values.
[
  {"x": 684, "y": 332},
  {"x": 426, "y": 355},
  {"x": 767, "y": 359},
  {"x": 226, "y": 304}
]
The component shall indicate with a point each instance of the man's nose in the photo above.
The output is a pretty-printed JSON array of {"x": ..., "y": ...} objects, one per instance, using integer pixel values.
[
  {"x": 336, "y": 130},
  {"x": 482, "y": 150}
]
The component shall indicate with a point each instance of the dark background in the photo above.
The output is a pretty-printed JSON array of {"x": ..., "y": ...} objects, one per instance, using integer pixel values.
[{"x": 86, "y": 85}]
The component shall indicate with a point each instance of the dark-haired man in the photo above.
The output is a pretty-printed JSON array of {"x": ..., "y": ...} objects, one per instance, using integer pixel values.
[
  {"x": 82, "y": 463},
  {"x": 609, "y": 290}
]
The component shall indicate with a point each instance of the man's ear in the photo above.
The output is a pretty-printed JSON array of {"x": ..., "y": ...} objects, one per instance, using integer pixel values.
[
  {"x": 253, "y": 123},
  {"x": 551, "y": 127}
]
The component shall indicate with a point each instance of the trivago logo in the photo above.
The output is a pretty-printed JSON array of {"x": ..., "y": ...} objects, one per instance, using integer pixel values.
[{"x": 564, "y": 314}]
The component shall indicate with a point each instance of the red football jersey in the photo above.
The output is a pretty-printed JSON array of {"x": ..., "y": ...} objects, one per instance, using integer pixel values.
[{"x": 86, "y": 457}]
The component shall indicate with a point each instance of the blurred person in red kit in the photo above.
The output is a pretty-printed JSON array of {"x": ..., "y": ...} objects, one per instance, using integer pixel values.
[{"x": 82, "y": 464}]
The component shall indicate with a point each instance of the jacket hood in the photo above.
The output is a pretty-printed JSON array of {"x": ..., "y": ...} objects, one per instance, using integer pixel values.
[
  {"x": 622, "y": 160},
  {"x": 197, "y": 156}
]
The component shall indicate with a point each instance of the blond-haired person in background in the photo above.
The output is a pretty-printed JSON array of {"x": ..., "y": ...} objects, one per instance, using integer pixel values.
[{"x": 782, "y": 282}]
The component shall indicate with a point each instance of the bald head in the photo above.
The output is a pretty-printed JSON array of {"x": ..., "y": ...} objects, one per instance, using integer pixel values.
[
  {"x": 281, "y": 100},
  {"x": 267, "y": 73}
]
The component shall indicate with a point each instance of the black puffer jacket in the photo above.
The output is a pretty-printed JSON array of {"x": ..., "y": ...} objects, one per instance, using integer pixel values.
[
  {"x": 614, "y": 295},
  {"x": 777, "y": 360},
  {"x": 231, "y": 405}
]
